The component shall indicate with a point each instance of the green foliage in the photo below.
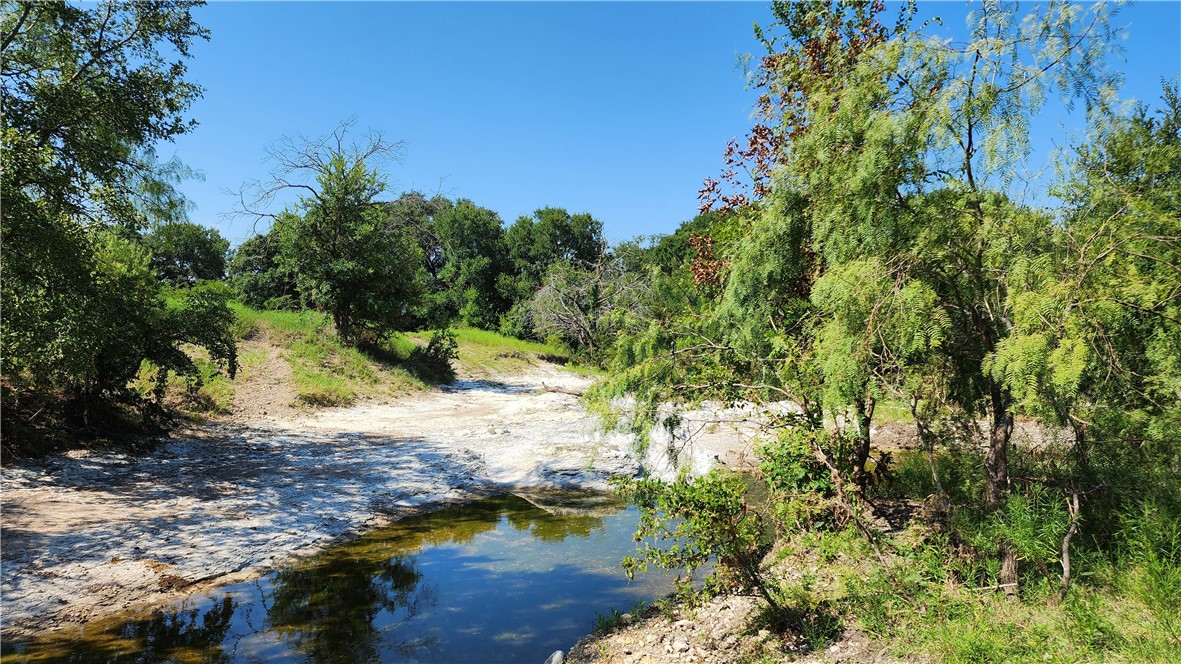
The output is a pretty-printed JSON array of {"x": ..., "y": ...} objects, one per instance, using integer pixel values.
[
  {"x": 887, "y": 259},
  {"x": 613, "y": 619},
  {"x": 910, "y": 475},
  {"x": 184, "y": 253},
  {"x": 475, "y": 256},
  {"x": 534, "y": 244},
  {"x": 259, "y": 278},
  {"x": 673, "y": 253},
  {"x": 349, "y": 255},
  {"x": 549, "y": 236},
  {"x": 706, "y": 519},
  {"x": 434, "y": 362},
  {"x": 88, "y": 92},
  {"x": 799, "y": 482},
  {"x": 346, "y": 258}
]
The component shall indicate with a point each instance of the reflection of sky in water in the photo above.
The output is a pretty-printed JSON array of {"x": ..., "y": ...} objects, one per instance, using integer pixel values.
[{"x": 497, "y": 580}]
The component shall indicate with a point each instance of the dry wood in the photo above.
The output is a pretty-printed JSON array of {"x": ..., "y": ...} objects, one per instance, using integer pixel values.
[{"x": 562, "y": 390}]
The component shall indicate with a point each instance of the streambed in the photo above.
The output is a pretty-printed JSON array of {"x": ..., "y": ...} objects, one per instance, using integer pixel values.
[
  {"x": 497, "y": 580},
  {"x": 90, "y": 533}
]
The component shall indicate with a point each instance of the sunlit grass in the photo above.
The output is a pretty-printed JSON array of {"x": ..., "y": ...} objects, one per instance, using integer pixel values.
[
  {"x": 328, "y": 373},
  {"x": 324, "y": 371},
  {"x": 485, "y": 353}
]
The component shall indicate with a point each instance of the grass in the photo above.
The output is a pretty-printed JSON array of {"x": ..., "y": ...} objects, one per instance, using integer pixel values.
[
  {"x": 937, "y": 598},
  {"x": 1117, "y": 610},
  {"x": 959, "y": 625},
  {"x": 485, "y": 353},
  {"x": 328, "y": 373},
  {"x": 325, "y": 372},
  {"x": 613, "y": 619}
]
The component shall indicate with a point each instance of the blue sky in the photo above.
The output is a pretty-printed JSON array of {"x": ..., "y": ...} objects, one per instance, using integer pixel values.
[{"x": 613, "y": 108}]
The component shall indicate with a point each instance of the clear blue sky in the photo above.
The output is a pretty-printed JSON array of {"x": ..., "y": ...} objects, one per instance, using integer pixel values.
[{"x": 613, "y": 108}]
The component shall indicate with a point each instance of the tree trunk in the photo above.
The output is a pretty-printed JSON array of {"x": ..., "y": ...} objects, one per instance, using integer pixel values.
[
  {"x": 996, "y": 479},
  {"x": 561, "y": 390},
  {"x": 1073, "y": 506},
  {"x": 860, "y": 455},
  {"x": 343, "y": 324}
]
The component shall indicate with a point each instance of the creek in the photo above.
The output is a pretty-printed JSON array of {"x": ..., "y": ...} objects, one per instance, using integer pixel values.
[{"x": 505, "y": 579}]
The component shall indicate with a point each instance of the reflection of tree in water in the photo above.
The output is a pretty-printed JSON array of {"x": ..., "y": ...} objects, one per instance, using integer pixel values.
[
  {"x": 460, "y": 525},
  {"x": 549, "y": 528},
  {"x": 186, "y": 634},
  {"x": 326, "y": 607}
]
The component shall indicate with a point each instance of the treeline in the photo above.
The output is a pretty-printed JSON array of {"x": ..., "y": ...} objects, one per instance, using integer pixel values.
[
  {"x": 412, "y": 262},
  {"x": 110, "y": 293},
  {"x": 876, "y": 264}
]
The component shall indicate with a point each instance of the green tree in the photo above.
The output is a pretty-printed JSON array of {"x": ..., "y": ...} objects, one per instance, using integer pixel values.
[
  {"x": 1096, "y": 340},
  {"x": 534, "y": 244},
  {"x": 475, "y": 255},
  {"x": 258, "y": 277},
  {"x": 184, "y": 253},
  {"x": 88, "y": 91},
  {"x": 551, "y": 235},
  {"x": 880, "y": 254},
  {"x": 348, "y": 256},
  {"x": 418, "y": 212}
]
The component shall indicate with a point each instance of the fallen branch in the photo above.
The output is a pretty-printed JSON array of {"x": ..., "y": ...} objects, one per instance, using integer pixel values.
[{"x": 561, "y": 390}]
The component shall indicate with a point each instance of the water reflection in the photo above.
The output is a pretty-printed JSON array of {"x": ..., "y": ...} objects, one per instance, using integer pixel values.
[
  {"x": 185, "y": 633},
  {"x": 327, "y": 610},
  {"x": 497, "y": 580}
]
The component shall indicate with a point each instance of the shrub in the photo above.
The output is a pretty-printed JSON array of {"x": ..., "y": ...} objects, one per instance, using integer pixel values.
[
  {"x": 707, "y": 519},
  {"x": 434, "y": 362}
]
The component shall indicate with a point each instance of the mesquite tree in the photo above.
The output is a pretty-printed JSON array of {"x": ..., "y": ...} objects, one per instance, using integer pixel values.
[
  {"x": 883, "y": 255},
  {"x": 350, "y": 258}
]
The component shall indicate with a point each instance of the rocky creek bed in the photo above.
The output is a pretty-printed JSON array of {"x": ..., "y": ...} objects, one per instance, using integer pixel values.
[{"x": 89, "y": 533}]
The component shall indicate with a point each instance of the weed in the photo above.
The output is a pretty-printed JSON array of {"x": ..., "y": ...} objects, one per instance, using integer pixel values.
[{"x": 613, "y": 619}]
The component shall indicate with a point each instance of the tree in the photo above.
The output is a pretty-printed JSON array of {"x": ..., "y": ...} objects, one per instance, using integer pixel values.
[
  {"x": 184, "y": 253},
  {"x": 551, "y": 235},
  {"x": 88, "y": 91},
  {"x": 586, "y": 304},
  {"x": 881, "y": 252},
  {"x": 349, "y": 258},
  {"x": 258, "y": 277},
  {"x": 417, "y": 212},
  {"x": 1096, "y": 339},
  {"x": 475, "y": 255},
  {"x": 534, "y": 244}
]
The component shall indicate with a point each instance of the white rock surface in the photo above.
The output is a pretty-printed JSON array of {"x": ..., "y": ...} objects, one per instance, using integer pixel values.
[{"x": 88, "y": 533}]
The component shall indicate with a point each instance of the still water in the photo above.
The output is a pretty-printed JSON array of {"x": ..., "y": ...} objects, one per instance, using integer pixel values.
[{"x": 499, "y": 580}]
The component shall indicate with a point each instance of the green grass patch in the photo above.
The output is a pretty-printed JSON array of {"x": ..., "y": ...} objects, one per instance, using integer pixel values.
[
  {"x": 324, "y": 371},
  {"x": 919, "y": 607},
  {"x": 484, "y": 353},
  {"x": 327, "y": 373},
  {"x": 889, "y": 411}
]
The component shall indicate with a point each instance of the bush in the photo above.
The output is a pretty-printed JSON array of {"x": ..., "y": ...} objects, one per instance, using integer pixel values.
[
  {"x": 799, "y": 482},
  {"x": 707, "y": 519},
  {"x": 433, "y": 363}
]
